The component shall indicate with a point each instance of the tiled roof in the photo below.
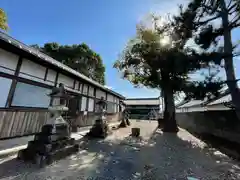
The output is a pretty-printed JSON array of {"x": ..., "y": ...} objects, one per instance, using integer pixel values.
[
  {"x": 192, "y": 103},
  {"x": 52, "y": 61},
  {"x": 221, "y": 100}
]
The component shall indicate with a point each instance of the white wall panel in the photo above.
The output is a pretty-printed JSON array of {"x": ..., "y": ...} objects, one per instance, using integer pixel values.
[
  {"x": 27, "y": 95},
  {"x": 110, "y": 107},
  {"x": 67, "y": 81},
  {"x": 31, "y": 70},
  {"x": 115, "y": 99},
  {"x": 100, "y": 94},
  {"x": 5, "y": 85},
  {"x": 76, "y": 85},
  {"x": 85, "y": 89},
  {"x": 110, "y": 97},
  {"x": 80, "y": 87},
  {"x": 51, "y": 75},
  {"x": 91, "y": 91},
  {"x": 84, "y": 103},
  {"x": 90, "y": 104},
  {"x": 9, "y": 61}
]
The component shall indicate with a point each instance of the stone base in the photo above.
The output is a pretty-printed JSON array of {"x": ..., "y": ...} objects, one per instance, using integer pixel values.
[
  {"x": 128, "y": 122},
  {"x": 48, "y": 146},
  {"x": 123, "y": 124},
  {"x": 45, "y": 158},
  {"x": 160, "y": 122},
  {"x": 135, "y": 132},
  {"x": 99, "y": 130}
]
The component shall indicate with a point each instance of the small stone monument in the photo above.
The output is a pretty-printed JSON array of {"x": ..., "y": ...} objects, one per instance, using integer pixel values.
[
  {"x": 100, "y": 129},
  {"x": 127, "y": 115},
  {"x": 135, "y": 132},
  {"x": 124, "y": 120},
  {"x": 54, "y": 141}
]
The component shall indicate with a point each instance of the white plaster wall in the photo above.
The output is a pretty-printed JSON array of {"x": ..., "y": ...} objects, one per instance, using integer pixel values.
[
  {"x": 80, "y": 88},
  {"x": 110, "y": 107},
  {"x": 31, "y": 96},
  {"x": 110, "y": 97},
  {"x": 84, "y": 103},
  {"x": 31, "y": 69},
  {"x": 85, "y": 89},
  {"x": 5, "y": 85},
  {"x": 8, "y": 60},
  {"x": 100, "y": 94},
  {"x": 67, "y": 81},
  {"x": 51, "y": 75},
  {"x": 115, "y": 99},
  {"x": 91, "y": 91},
  {"x": 90, "y": 104},
  {"x": 76, "y": 85}
]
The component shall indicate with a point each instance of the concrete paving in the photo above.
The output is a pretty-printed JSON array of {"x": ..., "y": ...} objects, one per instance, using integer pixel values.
[{"x": 155, "y": 156}]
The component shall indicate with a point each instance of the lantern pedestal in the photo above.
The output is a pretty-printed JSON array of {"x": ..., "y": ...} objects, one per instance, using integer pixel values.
[
  {"x": 128, "y": 122},
  {"x": 125, "y": 120},
  {"x": 99, "y": 130},
  {"x": 123, "y": 123}
]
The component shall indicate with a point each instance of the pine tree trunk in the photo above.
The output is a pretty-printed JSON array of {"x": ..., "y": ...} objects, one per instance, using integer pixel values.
[
  {"x": 229, "y": 68},
  {"x": 170, "y": 124}
]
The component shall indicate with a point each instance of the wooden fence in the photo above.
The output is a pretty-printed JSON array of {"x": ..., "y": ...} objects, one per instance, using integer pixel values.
[
  {"x": 15, "y": 123},
  {"x": 21, "y": 122}
]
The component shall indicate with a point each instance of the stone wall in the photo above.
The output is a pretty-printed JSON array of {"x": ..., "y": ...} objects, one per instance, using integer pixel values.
[{"x": 219, "y": 123}]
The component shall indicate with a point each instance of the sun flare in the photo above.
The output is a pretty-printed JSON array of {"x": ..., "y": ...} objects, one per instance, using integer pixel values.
[{"x": 165, "y": 41}]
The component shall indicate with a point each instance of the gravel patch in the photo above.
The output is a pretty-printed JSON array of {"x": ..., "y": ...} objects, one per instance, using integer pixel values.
[{"x": 154, "y": 156}]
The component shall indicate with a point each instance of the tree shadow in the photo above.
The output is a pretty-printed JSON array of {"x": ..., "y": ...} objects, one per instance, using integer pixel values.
[
  {"x": 178, "y": 156},
  {"x": 162, "y": 156},
  {"x": 96, "y": 158}
]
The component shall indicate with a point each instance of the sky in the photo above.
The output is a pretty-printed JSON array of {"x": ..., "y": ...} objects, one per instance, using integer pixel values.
[{"x": 105, "y": 25}]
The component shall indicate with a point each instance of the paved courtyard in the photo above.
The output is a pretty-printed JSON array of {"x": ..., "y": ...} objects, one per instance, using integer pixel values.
[{"x": 156, "y": 156}]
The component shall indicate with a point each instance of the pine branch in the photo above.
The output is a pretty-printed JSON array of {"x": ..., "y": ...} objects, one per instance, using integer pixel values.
[
  {"x": 210, "y": 8},
  {"x": 237, "y": 17},
  {"x": 231, "y": 8},
  {"x": 229, "y": 4},
  {"x": 211, "y": 19}
]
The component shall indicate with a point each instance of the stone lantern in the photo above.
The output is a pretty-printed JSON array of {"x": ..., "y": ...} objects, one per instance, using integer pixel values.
[
  {"x": 102, "y": 108},
  {"x": 54, "y": 141},
  {"x": 100, "y": 129},
  {"x": 59, "y": 97}
]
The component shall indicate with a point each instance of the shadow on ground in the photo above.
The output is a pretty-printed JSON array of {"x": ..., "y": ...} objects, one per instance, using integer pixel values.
[{"x": 162, "y": 156}]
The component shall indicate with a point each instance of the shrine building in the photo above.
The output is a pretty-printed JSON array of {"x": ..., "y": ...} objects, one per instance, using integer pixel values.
[{"x": 27, "y": 77}]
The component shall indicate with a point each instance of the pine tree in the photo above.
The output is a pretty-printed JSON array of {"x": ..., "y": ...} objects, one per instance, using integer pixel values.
[
  {"x": 148, "y": 61},
  {"x": 210, "y": 23}
]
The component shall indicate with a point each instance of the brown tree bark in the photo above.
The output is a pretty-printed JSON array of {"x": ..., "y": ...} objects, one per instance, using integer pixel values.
[
  {"x": 229, "y": 67},
  {"x": 170, "y": 124}
]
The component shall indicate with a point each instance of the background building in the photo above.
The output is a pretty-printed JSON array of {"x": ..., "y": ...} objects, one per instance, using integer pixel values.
[
  {"x": 27, "y": 76},
  {"x": 143, "y": 108}
]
